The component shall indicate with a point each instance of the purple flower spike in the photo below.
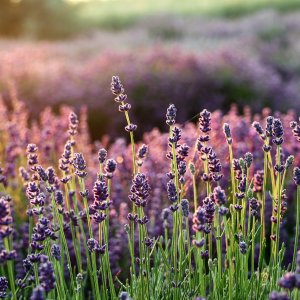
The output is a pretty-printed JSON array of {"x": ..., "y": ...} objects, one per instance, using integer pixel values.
[
  {"x": 287, "y": 281},
  {"x": 277, "y": 132},
  {"x": 116, "y": 86},
  {"x": 278, "y": 296},
  {"x": 102, "y": 154},
  {"x": 205, "y": 121},
  {"x": 38, "y": 293},
  {"x": 219, "y": 196},
  {"x": 3, "y": 286},
  {"x": 171, "y": 115},
  {"x": 46, "y": 276},
  {"x": 296, "y": 176}
]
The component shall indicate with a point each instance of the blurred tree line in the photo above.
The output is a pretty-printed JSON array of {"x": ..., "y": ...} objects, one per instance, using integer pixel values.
[{"x": 42, "y": 19}]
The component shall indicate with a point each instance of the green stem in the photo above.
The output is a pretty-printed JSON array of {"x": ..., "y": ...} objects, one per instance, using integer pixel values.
[
  {"x": 10, "y": 266},
  {"x": 297, "y": 229},
  {"x": 65, "y": 244},
  {"x": 131, "y": 141},
  {"x": 131, "y": 240},
  {"x": 278, "y": 207},
  {"x": 262, "y": 212},
  {"x": 93, "y": 257},
  {"x": 219, "y": 247},
  {"x": 195, "y": 193},
  {"x": 232, "y": 174},
  {"x": 229, "y": 246},
  {"x": 106, "y": 241},
  {"x": 175, "y": 214},
  {"x": 253, "y": 245}
]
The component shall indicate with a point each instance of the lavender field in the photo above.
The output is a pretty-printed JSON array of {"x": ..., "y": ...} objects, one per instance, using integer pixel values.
[
  {"x": 149, "y": 152},
  {"x": 205, "y": 211}
]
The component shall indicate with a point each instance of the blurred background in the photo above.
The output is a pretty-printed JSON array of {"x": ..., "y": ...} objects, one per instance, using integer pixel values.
[{"x": 196, "y": 54}]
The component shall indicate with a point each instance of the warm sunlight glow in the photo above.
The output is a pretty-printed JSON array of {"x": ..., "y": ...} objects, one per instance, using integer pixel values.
[{"x": 76, "y": 1}]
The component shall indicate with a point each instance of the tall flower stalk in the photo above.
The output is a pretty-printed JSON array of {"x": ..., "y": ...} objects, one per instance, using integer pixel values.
[
  {"x": 296, "y": 132},
  {"x": 173, "y": 184},
  {"x": 118, "y": 90},
  {"x": 296, "y": 239},
  {"x": 278, "y": 140}
]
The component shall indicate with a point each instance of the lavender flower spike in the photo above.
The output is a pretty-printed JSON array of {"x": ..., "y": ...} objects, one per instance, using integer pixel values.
[
  {"x": 3, "y": 286},
  {"x": 116, "y": 86},
  {"x": 277, "y": 132},
  {"x": 171, "y": 115},
  {"x": 227, "y": 133},
  {"x": 80, "y": 165},
  {"x": 55, "y": 251},
  {"x": 38, "y": 293},
  {"x": 124, "y": 296},
  {"x": 296, "y": 174},
  {"x": 110, "y": 166},
  {"x": 279, "y": 296},
  {"x": 296, "y": 130},
  {"x": 172, "y": 192},
  {"x": 219, "y": 196},
  {"x": 102, "y": 154},
  {"x": 259, "y": 130},
  {"x": 185, "y": 207},
  {"x": 46, "y": 276},
  {"x": 205, "y": 121}
]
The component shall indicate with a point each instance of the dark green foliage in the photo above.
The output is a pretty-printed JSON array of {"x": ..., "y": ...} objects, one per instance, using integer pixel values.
[{"x": 41, "y": 19}]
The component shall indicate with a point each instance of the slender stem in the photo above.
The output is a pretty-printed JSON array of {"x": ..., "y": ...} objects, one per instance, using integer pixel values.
[
  {"x": 189, "y": 248},
  {"x": 232, "y": 174},
  {"x": 195, "y": 193},
  {"x": 296, "y": 296},
  {"x": 10, "y": 267},
  {"x": 271, "y": 172},
  {"x": 106, "y": 241},
  {"x": 233, "y": 187},
  {"x": 229, "y": 248},
  {"x": 74, "y": 231},
  {"x": 87, "y": 254},
  {"x": 253, "y": 246},
  {"x": 262, "y": 212},
  {"x": 278, "y": 206},
  {"x": 132, "y": 231},
  {"x": 176, "y": 213},
  {"x": 297, "y": 229},
  {"x": 131, "y": 141},
  {"x": 59, "y": 286},
  {"x": 62, "y": 234},
  {"x": 93, "y": 257},
  {"x": 219, "y": 246}
]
